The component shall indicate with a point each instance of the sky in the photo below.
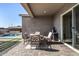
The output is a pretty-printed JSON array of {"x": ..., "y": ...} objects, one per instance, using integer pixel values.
[{"x": 9, "y": 14}]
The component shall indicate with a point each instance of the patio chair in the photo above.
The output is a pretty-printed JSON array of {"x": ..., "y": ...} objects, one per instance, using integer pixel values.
[
  {"x": 26, "y": 37},
  {"x": 46, "y": 40}
]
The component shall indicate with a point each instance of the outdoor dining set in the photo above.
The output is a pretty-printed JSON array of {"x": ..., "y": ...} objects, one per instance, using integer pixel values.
[{"x": 38, "y": 40}]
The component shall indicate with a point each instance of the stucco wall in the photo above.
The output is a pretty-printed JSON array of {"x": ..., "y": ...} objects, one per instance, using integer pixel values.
[
  {"x": 42, "y": 24},
  {"x": 57, "y": 18}
]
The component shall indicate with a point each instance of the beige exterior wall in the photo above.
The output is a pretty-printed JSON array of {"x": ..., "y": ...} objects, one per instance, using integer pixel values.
[{"x": 41, "y": 24}]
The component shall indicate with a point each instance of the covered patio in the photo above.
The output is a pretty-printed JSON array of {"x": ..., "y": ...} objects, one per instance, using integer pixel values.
[{"x": 43, "y": 17}]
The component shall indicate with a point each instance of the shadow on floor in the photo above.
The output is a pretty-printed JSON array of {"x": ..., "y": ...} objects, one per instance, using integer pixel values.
[
  {"x": 49, "y": 50},
  {"x": 46, "y": 48}
]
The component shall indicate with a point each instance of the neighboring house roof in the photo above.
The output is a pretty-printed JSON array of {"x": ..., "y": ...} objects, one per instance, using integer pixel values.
[
  {"x": 2, "y": 28},
  {"x": 15, "y": 27}
]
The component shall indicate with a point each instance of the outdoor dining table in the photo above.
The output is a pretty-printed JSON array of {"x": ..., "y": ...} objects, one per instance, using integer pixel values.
[
  {"x": 36, "y": 33},
  {"x": 34, "y": 38},
  {"x": 38, "y": 40}
]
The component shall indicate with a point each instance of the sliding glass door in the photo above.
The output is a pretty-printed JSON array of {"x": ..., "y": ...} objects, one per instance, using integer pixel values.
[
  {"x": 67, "y": 27},
  {"x": 71, "y": 27}
]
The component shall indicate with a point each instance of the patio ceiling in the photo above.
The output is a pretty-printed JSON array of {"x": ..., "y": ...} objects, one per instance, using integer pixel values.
[
  {"x": 45, "y": 9},
  {"x": 42, "y": 9}
]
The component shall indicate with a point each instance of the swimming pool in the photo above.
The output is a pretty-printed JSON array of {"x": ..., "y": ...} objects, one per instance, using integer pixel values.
[{"x": 8, "y": 35}]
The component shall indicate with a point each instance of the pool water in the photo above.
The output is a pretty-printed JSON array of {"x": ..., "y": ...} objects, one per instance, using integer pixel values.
[{"x": 8, "y": 36}]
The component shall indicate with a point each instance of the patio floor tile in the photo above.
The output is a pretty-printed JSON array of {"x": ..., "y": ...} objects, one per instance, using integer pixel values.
[{"x": 58, "y": 50}]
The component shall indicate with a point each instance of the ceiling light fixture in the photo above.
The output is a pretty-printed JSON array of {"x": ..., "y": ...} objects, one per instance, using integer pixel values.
[{"x": 44, "y": 11}]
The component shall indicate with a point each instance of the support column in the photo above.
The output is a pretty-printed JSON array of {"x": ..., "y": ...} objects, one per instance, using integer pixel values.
[
  {"x": 61, "y": 22},
  {"x": 73, "y": 28}
]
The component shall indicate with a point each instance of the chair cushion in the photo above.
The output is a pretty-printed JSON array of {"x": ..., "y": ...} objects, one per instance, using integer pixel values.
[{"x": 49, "y": 35}]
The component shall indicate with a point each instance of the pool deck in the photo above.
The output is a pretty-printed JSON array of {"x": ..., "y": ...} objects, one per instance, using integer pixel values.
[{"x": 58, "y": 50}]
